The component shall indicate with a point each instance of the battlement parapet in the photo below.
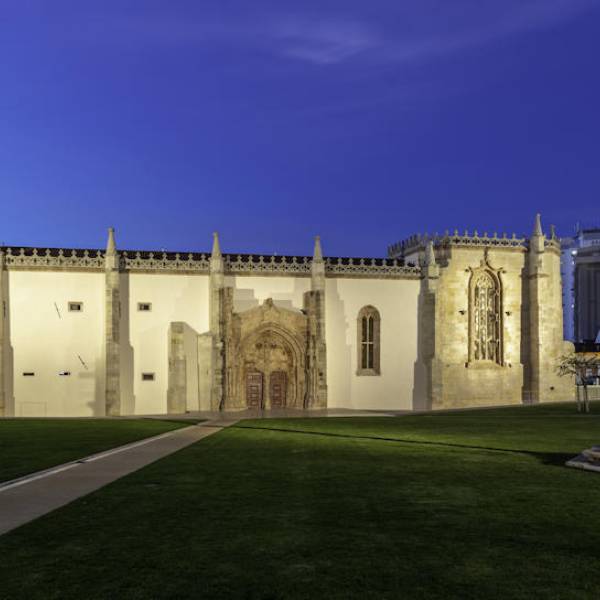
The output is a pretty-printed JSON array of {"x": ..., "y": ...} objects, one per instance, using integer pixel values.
[
  {"x": 31, "y": 258},
  {"x": 418, "y": 242}
]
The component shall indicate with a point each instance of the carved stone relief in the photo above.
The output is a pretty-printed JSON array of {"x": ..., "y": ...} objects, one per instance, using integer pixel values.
[
  {"x": 266, "y": 362},
  {"x": 269, "y": 354}
]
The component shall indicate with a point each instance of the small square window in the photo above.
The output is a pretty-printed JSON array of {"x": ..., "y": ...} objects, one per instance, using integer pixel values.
[
  {"x": 75, "y": 306},
  {"x": 144, "y": 306},
  {"x": 147, "y": 376}
]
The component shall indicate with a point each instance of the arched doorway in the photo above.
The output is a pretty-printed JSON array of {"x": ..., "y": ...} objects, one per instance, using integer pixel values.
[{"x": 271, "y": 374}]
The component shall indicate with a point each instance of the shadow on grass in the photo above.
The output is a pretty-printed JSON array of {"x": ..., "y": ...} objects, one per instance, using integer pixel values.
[{"x": 546, "y": 458}]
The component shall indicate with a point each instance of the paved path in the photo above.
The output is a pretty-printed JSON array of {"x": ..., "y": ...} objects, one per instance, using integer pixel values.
[
  {"x": 29, "y": 497},
  {"x": 281, "y": 413}
]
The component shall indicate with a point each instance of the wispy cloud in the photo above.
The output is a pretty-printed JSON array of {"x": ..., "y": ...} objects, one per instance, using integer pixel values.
[
  {"x": 430, "y": 30},
  {"x": 524, "y": 17},
  {"x": 332, "y": 42},
  {"x": 323, "y": 43}
]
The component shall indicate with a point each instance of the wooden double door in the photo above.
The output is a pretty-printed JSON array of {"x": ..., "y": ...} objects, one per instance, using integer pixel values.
[{"x": 255, "y": 389}]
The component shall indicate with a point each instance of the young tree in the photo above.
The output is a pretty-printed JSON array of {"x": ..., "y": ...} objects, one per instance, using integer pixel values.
[{"x": 578, "y": 365}]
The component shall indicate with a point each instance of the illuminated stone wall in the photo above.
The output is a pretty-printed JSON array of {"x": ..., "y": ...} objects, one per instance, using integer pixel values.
[
  {"x": 447, "y": 372},
  {"x": 94, "y": 332}
]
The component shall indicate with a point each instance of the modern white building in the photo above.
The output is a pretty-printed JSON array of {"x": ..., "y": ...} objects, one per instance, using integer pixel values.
[{"x": 580, "y": 270}]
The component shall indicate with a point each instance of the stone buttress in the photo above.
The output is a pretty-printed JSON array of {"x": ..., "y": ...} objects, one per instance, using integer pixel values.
[{"x": 112, "y": 328}]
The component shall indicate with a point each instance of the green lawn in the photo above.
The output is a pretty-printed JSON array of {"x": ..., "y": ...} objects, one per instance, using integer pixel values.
[
  {"x": 29, "y": 445},
  {"x": 470, "y": 505}
]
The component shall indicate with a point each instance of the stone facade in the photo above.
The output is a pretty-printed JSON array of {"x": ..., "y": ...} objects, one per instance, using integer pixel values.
[
  {"x": 177, "y": 391},
  {"x": 523, "y": 309},
  {"x": 265, "y": 342},
  {"x": 448, "y": 321}
]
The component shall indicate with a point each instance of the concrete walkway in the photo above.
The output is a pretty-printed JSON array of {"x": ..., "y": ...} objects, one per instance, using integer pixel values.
[
  {"x": 280, "y": 413},
  {"x": 30, "y": 497}
]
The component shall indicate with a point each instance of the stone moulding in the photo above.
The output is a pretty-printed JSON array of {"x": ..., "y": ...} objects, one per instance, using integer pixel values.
[
  {"x": 552, "y": 244},
  {"x": 186, "y": 262},
  {"x": 417, "y": 243},
  {"x": 376, "y": 267},
  {"x": 53, "y": 259},
  {"x": 59, "y": 259}
]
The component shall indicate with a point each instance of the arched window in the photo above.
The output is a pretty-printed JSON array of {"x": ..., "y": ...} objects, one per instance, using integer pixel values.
[
  {"x": 485, "y": 343},
  {"x": 368, "y": 329}
]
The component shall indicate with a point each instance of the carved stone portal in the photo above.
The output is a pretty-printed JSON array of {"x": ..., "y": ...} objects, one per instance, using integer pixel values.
[{"x": 269, "y": 358}]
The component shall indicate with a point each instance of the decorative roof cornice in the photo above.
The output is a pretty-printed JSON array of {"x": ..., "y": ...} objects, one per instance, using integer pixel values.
[
  {"x": 392, "y": 268},
  {"x": 552, "y": 243},
  {"x": 54, "y": 258},
  {"x": 417, "y": 243},
  {"x": 59, "y": 259}
]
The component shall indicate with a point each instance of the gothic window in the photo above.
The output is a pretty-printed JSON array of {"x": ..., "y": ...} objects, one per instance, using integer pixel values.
[
  {"x": 485, "y": 342},
  {"x": 368, "y": 328}
]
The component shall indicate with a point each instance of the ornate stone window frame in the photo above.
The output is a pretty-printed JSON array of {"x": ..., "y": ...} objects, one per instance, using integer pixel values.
[
  {"x": 494, "y": 275},
  {"x": 373, "y": 339}
]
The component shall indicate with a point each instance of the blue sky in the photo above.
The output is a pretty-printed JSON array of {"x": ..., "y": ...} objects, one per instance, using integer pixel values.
[{"x": 271, "y": 121}]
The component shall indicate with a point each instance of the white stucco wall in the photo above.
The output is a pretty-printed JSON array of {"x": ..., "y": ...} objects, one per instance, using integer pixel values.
[
  {"x": 397, "y": 303},
  {"x": 46, "y": 343},
  {"x": 173, "y": 298},
  {"x": 250, "y": 292},
  {"x": 48, "y": 339}
]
